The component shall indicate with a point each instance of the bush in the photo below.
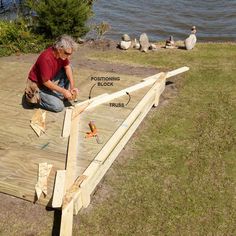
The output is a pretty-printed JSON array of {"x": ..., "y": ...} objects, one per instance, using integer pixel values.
[
  {"x": 57, "y": 17},
  {"x": 16, "y": 38}
]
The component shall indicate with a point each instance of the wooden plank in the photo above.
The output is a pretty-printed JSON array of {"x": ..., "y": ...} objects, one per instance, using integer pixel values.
[
  {"x": 146, "y": 82},
  {"x": 159, "y": 90},
  {"x": 67, "y": 123},
  {"x": 72, "y": 153},
  {"x": 67, "y": 220},
  {"x": 177, "y": 71},
  {"x": 110, "y": 151},
  {"x": 80, "y": 107},
  {"x": 90, "y": 100},
  {"x": 78, "y": 204},
  {"x": 124, "y": 92},
  {"x": 59, "y": 186},
  {"x": 70, "y": 194},
  {"x": 170, "y": 73}
]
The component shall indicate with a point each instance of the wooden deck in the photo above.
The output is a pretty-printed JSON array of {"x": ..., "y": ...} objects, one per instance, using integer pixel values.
[
  {"x": 21, "y": 150},
  {"x": 83, "y": 160}
]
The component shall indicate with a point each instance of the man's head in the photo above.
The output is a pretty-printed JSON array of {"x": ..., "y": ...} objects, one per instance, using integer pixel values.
[{"x": 65, "y": 46}]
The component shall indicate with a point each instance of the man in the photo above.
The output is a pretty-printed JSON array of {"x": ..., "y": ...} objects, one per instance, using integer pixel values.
[{"x": 50, "y": 80}]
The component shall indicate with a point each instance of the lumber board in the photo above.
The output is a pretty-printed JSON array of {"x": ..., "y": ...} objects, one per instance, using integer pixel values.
[
  {"x": 78, "y": 204},
  {"x": 80, "y": 107},
  {"x": 67, "y": 123},
  {"x": 177, "y": 71},
  {"x": 59, "y": 186},
  {"x": 90, "y": 100},
  {"x": 146, "y": 82},
  {"x": 71, "y": 193},
  {"x": 169, "y": 73},
  {"x": 72, "y": 153},
  {"x": 67, "y": 220},
  {"x": 123, "y": 92},
  {"x": 81, "y": 196}
]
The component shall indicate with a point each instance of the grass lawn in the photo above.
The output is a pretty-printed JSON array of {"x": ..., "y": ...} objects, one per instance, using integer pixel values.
[{"x": 179, "y": 177}]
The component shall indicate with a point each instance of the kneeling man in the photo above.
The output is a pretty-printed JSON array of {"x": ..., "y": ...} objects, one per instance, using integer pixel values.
[{"x": 50, "y": 80}]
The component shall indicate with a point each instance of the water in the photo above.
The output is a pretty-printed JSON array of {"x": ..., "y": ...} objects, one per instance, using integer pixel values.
[
  {"x": 9, "y": 8},
  {"x": 215, "y": 19}
]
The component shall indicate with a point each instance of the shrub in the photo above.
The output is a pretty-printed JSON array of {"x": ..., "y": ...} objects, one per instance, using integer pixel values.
[
  {"x": 57, "y": 17},
  {"x": 16, "y": 38}
]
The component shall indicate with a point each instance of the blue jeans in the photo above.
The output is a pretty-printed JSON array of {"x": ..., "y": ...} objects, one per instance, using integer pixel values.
[{"x": 52, "y": 100}]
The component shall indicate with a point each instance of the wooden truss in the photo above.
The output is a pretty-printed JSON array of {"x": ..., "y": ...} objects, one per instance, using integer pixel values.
[{"x": 72, "y": 192}]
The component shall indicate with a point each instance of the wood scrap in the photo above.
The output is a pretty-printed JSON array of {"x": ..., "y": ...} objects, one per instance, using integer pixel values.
[
  {"x": 37, "y": 122},
  {"x": 43, "y": 173}
]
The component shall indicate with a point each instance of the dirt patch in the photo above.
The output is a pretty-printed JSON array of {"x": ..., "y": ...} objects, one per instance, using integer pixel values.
[
  {"x": 117, "y": 68},
  {"x": 82, "y": 61}
]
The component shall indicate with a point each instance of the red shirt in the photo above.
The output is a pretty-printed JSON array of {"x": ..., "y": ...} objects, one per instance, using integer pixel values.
[{"x": 46, "y": 67}]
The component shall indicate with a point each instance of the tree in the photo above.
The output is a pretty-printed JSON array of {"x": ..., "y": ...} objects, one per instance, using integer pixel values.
[{"x": 57, "y": 17}]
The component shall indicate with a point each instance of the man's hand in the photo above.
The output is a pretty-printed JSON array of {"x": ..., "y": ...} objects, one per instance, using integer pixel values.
[
  {"x": 74, "y": 91},
  {"x": 67, "y": 94}
]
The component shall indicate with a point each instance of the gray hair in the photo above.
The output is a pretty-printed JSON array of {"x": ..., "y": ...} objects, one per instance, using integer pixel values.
[{"x": 65, "y": 42}]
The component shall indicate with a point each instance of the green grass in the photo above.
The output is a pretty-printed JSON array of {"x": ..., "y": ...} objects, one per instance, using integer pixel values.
[{"x": 179, "y": 175}]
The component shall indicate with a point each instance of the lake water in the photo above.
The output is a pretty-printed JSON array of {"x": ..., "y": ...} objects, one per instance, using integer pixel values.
[{"x": 215, "y": 19}]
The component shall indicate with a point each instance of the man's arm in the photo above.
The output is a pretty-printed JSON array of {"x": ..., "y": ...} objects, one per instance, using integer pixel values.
[
  {"x": 66, "y": 93},
  {"x": 69, "y": 75}
]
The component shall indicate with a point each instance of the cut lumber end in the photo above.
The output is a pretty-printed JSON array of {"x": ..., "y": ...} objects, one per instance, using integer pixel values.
[
  {"x": 177, "y": 71},
  {"x": 168, "y": 74},
  {"x": 58, "y": 192}
]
